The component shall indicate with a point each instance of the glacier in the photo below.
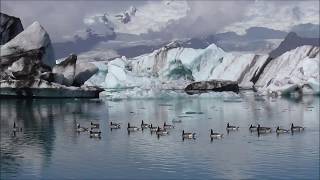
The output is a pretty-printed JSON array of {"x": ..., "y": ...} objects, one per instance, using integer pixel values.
[{"x": 173, "y": 67}]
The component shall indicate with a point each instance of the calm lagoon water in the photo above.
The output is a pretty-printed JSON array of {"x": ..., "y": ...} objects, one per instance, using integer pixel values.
[{"x": 50, "y": 148}]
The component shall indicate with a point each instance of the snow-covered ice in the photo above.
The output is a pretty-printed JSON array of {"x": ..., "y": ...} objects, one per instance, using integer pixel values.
[
  {"x": 294, "y": 70},
  {"x": 32, "y": 38},
  {"x": 174, "y": 67}
]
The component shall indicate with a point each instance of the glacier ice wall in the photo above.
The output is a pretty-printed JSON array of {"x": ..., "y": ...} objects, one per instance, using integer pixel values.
[{"x": 173, "y": 67}]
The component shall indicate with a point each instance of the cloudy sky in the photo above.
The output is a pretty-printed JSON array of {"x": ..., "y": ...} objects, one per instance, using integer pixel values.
[{"x": 63, "y": 19}]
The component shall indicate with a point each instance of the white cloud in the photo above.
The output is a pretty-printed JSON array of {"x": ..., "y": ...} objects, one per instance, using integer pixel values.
[
  {"x": 207, "y": 17},
  {"x": 177, "y": 18},
  {"x": 153, "y": 15},
  {"x": 60, "y": 18},
  {"x": 279, "y": 15}
]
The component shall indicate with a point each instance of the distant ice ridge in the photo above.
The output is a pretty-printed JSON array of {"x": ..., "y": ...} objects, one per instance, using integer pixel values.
[{"x": 94, "y": 55}]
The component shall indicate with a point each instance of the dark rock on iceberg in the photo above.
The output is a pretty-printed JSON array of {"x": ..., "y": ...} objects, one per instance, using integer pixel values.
[
  {"x": 23, "y": 65},
  {"x": 212, "y": 85},
  {"x": 9, "y": 27}
]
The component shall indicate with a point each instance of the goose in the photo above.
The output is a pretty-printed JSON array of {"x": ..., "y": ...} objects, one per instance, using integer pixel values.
[
  {"x": 143, "y": 125},
  {"x": 176, "y": 121},
  {"x": 263, "y": 129},
  {"x": 231, "y": 127},
  {"x": 279, "y": 130},
  {"x": 167, "y": 126},
  {"x": 296, "y": 128},
  {"x": 215, "y": 135},
  {"x": 153, "y": 129},
  {"x": 161, "y": 132},
  {"x": 114, "y": 125},
  {"x": 188, "y": 135},
  {"x": 16, "y": 128},
  {"x": 132, "y": 128},
  {"x": 253, "y": 128},
  {"x": 95, "y": 125},
  {"x": 81, "y": 129},
  {"x": 95, "y": 134}
]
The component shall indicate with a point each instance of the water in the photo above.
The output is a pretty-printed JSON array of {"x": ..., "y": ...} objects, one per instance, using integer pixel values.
[{"x": 50, "y": 148}]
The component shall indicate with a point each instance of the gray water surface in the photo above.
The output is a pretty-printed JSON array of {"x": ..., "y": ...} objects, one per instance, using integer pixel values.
[{"x": 50, "y": 148}]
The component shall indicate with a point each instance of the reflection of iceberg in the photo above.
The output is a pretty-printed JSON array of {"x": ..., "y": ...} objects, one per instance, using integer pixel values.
[
  {"x": 39, "y": 141},
  {"x": 143, "y": 151},
  {"x": 169, "y": 153},
  {"x": 38, "y": 118},
  {"x": 138, "y": 93}
]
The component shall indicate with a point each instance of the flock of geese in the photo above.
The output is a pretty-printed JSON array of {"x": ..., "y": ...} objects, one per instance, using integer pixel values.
[{"x": 94, "y": 130}]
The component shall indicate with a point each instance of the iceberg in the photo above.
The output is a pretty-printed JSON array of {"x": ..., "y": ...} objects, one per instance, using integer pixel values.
[
  {"x": 38, "y": 88},
  {"x": 174, "y": 67},
  {"x": 26, "y": 63},
  {"x": 294, "y": 71},
  {"x": 71, "y": 72},
  {"x": 34, "y": 37}
]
